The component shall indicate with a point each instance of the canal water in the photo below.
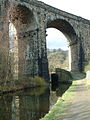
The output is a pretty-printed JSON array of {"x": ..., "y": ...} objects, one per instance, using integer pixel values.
[{"x": 31, "y": 104}]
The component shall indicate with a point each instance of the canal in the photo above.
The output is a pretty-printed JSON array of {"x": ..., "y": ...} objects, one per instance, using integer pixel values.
[{"x": 30, "y": 104}]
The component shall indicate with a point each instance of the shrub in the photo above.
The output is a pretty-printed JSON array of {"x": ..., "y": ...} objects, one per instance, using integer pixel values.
[{"x": 37, "y": 81}]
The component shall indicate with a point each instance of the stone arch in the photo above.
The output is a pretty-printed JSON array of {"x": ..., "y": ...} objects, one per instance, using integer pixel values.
[
  {"x": 24, "y": 21},
  {"x": 22, "y": 18},
  {"x": 67, "y": 29}
]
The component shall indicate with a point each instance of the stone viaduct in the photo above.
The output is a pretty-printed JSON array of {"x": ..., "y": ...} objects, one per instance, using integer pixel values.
[{"x": 24, "y": 54}]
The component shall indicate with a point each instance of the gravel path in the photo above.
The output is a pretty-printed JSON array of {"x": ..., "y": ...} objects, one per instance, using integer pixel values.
[{"x": 79, "y": 107}]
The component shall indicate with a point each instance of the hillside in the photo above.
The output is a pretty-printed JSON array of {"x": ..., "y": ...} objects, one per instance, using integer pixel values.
[{"x": 57, "y": 58}]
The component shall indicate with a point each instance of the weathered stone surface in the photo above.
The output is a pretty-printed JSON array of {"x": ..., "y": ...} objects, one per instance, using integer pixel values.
[
  {"x": 63, "y": 75},
  {"x": 31, "y": 18}
]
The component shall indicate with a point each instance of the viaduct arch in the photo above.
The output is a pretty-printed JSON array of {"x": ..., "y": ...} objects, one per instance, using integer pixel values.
[
  {"x": 71, "y": 36},
  {"x": 31, "y": 18},
  {"x": 24, "y": 54}
]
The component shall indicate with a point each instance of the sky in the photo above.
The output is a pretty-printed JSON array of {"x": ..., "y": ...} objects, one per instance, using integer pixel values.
[
  {"x": 56, "y": 40},
  {"x": 80, "y": 8}
]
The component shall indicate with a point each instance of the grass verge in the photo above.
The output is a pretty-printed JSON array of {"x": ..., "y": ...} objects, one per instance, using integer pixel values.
[
  {"x": 61, "y": 104},
  {"x": 88, "y": 86},
  {"x": 87, "y": 83}
]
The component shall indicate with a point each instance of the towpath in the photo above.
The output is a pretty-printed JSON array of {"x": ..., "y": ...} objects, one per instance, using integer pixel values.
[{"x": 79, "y": 107}]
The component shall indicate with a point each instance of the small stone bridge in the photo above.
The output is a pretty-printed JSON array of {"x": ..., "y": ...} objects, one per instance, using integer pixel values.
[{"x": 24, "y": 53}]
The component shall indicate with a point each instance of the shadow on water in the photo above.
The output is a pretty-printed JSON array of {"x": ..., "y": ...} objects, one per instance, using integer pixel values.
[
  {"x": 31, "y": 104},
  {"x": 59, "y": 87}
]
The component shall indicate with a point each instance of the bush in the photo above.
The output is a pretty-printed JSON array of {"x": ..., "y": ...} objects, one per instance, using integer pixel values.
[
  {"x": 25, "y": 83},
  {"x": 37, "y": 81}
]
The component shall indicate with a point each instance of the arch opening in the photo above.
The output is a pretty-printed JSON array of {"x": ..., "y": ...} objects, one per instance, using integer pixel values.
[
  {"x": 66, "y": 28},
  {"x": 13, "y": 50},
  {"x": 57, "y": 50},
  {"x": 21, "y": 29}
]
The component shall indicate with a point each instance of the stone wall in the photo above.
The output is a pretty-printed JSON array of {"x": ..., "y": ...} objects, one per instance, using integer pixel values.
[
  {"x": 63, "y": 75},
  {"x": 4, "y": 41}
]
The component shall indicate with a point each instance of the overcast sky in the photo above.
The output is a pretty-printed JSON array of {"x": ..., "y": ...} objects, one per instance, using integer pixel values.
[{"x": 77, "y": 7}]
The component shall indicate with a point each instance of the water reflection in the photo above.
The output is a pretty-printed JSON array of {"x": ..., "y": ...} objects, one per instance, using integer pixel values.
[
  {"x": 29, "y": 104},
  {"x": 24, "y": 106},
  {"x": 34, "y": 107},
  {"x": 5, "y": 108},
  {"x": 57, "y": 91},
  {"x": 60, "y": 89}
]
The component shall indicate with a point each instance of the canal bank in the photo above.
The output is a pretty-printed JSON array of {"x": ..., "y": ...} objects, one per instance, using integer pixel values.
[
  {"x": 61, "y": 105},
  {"x": 30, "y": 103},
  {"x": 74, "y": 104}
]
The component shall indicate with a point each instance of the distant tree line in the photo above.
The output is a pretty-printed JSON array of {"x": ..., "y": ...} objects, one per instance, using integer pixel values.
[{"x": 57, "y": 58}]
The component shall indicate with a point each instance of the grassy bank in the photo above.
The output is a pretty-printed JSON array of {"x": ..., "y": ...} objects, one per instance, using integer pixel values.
[
  {"x": 88, "y": 84},
  {"x": 61, "y": 104}
]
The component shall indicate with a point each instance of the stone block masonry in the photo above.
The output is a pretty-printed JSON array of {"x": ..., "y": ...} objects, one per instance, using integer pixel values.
[{"x": 31, "y": 18}]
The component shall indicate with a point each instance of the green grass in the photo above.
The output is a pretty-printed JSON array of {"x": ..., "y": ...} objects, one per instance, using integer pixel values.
[
  {"x": 61, "y": 104},
  {"x": 88, "y": 86},
  {"x": 87, "y": 81}
]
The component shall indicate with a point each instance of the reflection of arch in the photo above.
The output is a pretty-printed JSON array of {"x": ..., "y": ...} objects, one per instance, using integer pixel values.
[
  {"x": 24, "y": 22},
  {"x": 66, "y": 28}
]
